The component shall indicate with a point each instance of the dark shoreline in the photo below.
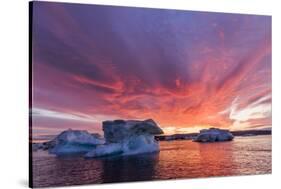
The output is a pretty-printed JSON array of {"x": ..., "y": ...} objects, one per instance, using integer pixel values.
[{"x": 191, "y": 136}]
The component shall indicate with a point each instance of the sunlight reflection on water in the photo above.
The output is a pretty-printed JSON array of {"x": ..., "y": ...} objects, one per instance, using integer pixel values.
[{"x": 177, "y": 159}]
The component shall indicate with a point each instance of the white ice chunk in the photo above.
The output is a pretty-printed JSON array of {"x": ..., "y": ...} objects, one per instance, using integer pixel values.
[
  {"x": 213, "y": 135},
  {"x": 127, "y": 138},
  {"x": 74, "y": 141}
]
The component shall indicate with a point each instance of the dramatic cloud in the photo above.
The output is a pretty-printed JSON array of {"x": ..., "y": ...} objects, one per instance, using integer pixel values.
[{"x": 186, "y": 70}]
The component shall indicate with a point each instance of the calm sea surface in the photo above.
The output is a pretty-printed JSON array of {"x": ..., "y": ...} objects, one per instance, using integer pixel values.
[{"x": 176, "y": 159}]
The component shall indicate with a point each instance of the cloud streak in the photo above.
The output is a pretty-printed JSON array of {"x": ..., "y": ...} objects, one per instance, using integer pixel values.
[{"x": 186, "y": 70}]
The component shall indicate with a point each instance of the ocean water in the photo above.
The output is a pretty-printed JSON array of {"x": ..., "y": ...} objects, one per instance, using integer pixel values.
[{"x": 176, "y": 160}]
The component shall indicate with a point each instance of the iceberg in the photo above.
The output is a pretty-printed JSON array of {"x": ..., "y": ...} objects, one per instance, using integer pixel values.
[
  {"x": 120, "y": 138},
  {"x": 213, "y": 135},
  {"x": 74, "y": 142},
  {"x": 127, "y": 138}
]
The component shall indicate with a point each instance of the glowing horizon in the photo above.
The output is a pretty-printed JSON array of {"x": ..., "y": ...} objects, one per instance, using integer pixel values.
[{"x": 186, "y": 70}]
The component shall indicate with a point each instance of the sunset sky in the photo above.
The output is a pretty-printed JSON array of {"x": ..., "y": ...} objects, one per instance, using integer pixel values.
[{"x": 186, "y": 70}]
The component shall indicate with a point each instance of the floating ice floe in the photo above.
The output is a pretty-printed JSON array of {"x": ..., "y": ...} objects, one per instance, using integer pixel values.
[{"x": 213, "y": 135}]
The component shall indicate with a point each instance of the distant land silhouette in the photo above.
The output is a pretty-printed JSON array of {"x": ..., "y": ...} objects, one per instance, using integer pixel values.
[{"x": 190, "y": 136}]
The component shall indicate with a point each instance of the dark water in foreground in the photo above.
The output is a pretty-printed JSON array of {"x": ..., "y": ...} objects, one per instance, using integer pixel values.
[{"x": 177, "y": 159}]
